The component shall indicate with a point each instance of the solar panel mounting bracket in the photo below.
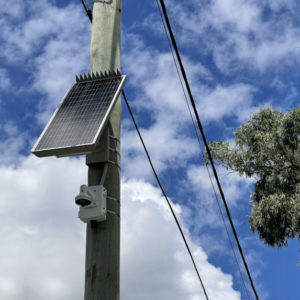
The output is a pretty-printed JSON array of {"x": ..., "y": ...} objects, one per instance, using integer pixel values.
[
  {"x": 101, "y": 152},
  {"x": 103, "y": 1}
]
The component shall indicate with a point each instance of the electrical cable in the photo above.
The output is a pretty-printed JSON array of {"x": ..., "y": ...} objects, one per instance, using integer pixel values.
[
  {"x": 87, "y": 10},
  {"x": 89, "y": 14},
  {"x": 206, "y": 143},
  {"x": 164, "y": 193},
  {"x": 103, "y": 177},
  {"x": 202, "y": 152}
]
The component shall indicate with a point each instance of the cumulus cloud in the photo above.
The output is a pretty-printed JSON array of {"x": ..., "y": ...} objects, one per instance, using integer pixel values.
[
  {"x": 12, "y": 142},
  {"x": 221, "y": 102},
  {"x": 163, "y": 237},
  {"x": 5, "y": 81},
  {"x": 168, "y": 115},
  {"x": 53, "y": 43},
  {"x": 43, "y": 242},
  {"x": 41, "y": 231},
  {"x": 202, "y": 202},
  {"x": 240, "y": 33},
  {"x": 231, "y": 183},
  {"x": 14, "y": 11},
  {"x": 158, "y": 94},
  {"x": 277, "y": 5},
  {"x": 241, "y": 14},
  {"x": 41, "y": 237}
]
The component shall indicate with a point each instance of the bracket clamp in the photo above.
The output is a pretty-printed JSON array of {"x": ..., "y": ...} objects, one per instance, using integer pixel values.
[{"x": 103, "y": 1}]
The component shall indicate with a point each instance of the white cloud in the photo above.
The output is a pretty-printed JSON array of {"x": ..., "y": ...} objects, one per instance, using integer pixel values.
[
  {"x": 242, "y": 15},
  {"x": 12, "y": 8},
  {"x": 5, "y": 81},
  {"x": 40, "y": 231},
  {"x": 12, "y": 144},
  {"x": 158, "y": 89},
  {"x": 36, "y": 195},
  {"x": 240, "y": 36},
  {"x": 170, "y": 139},
  {"x": 166, "y": 147},
  {"x": 166, "y": 138},
  {"x": 157, "y": 82},
  {"x": 220, "y": 102},
  {"x": 54, "y": 42},
  {"x": 45, "y": 21},
  {"x": 155, "y": 240},
  {"x": 203, "y": 204},
  {"x": 277, "y": 5}
]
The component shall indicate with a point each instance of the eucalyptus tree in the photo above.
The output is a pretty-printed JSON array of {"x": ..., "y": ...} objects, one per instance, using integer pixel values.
[{"x": 267, "y": 148}]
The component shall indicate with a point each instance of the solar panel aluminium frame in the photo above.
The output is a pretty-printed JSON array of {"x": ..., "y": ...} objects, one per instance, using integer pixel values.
[{"x": 81, "y": 148}]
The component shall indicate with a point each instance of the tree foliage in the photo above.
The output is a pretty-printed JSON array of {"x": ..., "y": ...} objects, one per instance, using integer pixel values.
[{"x": 267, "y": 147}]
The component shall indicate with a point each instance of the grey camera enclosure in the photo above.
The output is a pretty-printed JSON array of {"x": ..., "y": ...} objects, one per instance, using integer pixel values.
[{"x": 92, "y": 203}]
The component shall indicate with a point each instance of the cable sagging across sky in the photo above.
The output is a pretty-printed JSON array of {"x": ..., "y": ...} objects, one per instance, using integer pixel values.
[
  {"x": 202, "y": 152},
  {"x": 164, "y": 10},
  {"x": 206, "y": 145},
  {"x": 165, "y": 195}
]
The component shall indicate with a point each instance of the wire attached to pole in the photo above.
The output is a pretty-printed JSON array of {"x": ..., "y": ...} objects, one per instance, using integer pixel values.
[
  {"x": 87, "y": 10},
  {"x": 202, "y": 152},
  {"x": 206, "y": 143},
  {"x": 164, "y": 193},
  {"x": 90, "y": 16}
]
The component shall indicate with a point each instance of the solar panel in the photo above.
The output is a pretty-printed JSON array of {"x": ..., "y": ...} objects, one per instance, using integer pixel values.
[{"x": 77, "y": 123}]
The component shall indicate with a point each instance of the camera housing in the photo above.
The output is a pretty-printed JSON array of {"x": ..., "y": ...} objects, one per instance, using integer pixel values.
[
  {"x": 84, "y": 198},
  {"x": 92, "y": 202}
]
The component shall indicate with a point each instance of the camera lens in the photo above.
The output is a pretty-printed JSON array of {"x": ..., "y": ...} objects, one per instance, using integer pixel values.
[{"x": 83, "y": 202}]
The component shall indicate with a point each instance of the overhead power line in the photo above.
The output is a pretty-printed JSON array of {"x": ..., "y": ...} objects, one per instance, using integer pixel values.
[
  {"x": 90, "y": 16},
  {"x": 164, "y": 193},
  {"x": 202, "y": 152},
  {"x": 87, "y": 10},
  {"x": 164, "y": 10},
  {"x": 157, "y": 178}
]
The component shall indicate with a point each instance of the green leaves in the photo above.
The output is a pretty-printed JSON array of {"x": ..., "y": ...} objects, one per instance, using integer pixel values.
[{"x": 268, "y": 147}]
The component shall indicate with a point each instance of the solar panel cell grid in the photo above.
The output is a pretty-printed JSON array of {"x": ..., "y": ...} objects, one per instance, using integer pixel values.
[{"x": 80, "y": 117}]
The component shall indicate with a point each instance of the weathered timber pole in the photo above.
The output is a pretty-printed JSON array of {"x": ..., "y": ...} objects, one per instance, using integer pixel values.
[{"x": 102, "y": 277}]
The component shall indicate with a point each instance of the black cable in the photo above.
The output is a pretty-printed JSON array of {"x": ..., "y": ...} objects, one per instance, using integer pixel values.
[
  {"x": 87, "y": 10},
  {"x": 90, "y": 15},
  {"x": 165, "y": 195},
  {"x": 205, "y": 142},
  {"x": 202, "y": 152}
]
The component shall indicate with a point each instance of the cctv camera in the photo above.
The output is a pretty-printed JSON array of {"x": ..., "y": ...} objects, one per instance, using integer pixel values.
[
  {"x": 92, "y": 202},
  {"x": 84, "y": 198}
]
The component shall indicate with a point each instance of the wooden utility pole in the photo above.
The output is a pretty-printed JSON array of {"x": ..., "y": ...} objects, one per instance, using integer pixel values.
[{"x": 102, "y": 277}]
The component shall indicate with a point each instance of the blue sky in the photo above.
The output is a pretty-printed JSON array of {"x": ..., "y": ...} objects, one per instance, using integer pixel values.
[{"x": 239, "y": 56}]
